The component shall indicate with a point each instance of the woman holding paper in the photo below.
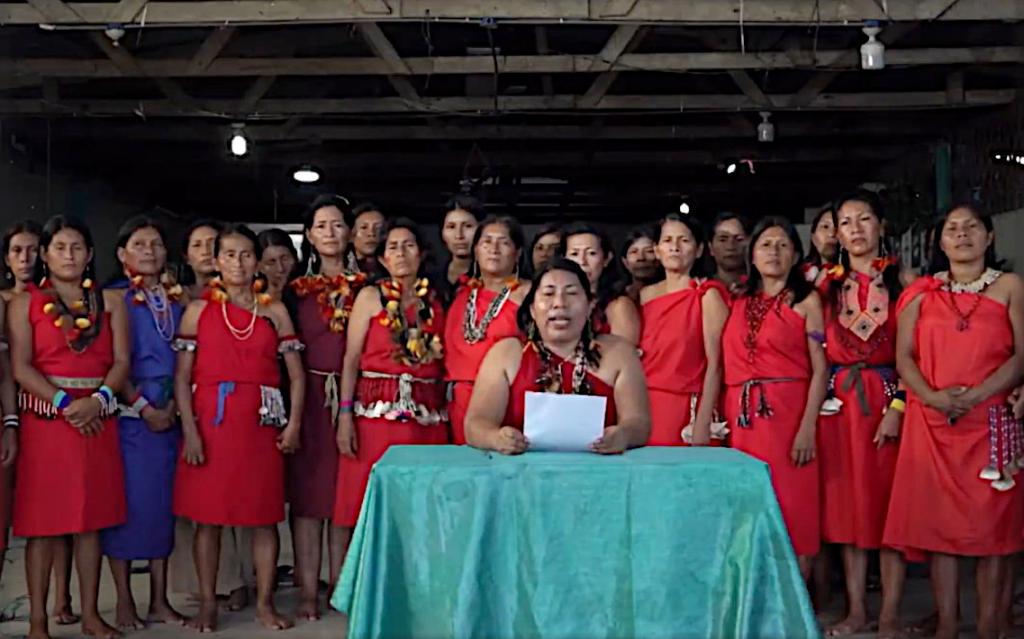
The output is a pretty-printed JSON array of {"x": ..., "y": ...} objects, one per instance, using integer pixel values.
[
  {"x": 613, "y": 310},
  {"x": 775, "y": 373},
  {"x": 683, "y": 367},
  {"x": 561, "y": 355},
  {"x": 391, "y": 391},
  {"x": 484, "y": 309}
]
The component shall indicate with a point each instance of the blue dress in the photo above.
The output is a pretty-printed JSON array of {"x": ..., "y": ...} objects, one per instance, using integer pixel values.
[{"x": 149, "y": 458}]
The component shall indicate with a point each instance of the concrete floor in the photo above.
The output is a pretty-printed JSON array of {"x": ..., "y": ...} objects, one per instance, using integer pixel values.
[{"x": 14, "y": 606}]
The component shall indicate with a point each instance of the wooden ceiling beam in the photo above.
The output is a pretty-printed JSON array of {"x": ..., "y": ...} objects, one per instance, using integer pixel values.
[
  {"x": 206, "y": 63},
  {"x": 439, "y": 106},
  {"x": 777, "y": 12},
  {"x": 383, "y": 49},
  {"x": 210, "y": 49}
]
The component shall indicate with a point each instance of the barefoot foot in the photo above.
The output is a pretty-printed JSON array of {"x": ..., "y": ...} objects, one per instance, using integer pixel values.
[
  {"x": 63, "y": 616},
  {"x": 891, "y": 629},
  {"x": 98, "y": 628},
  {"x": 206, "y": 619},
  {"x": 164, "y": 613},
  {"x": 38, "y": 629},
  {"x": 127, "y": 618},
  {"x": 271, "y": 619},
  {"x": 927, "y": 626},
  {"x": 853, "y": 624},
  {"x": 308, "y": 610}
]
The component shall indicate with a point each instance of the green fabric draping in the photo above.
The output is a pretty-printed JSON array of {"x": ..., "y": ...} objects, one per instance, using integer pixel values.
[{"x": 659, "y": 542}]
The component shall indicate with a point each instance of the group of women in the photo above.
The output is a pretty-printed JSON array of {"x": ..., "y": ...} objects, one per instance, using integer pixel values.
[{"x": 195, "y": 407}]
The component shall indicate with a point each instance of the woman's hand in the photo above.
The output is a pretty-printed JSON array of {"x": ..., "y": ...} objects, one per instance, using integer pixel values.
[
  {"x": 192, "y": 451},
  {"x": 613, "y": 441},
  {"x": 346, "y": 436},
  {"x": 81, "y": 414},
  {"x": 510, "y": 441},
  {"x": 157, "y": 420},
  {"x": 288, "y": 440},
  {"x": 1016, "y": 401},
  {"x": 948, "y": 401},
  {"x": 9, "y": 443},
  {"x": 803, "y": 446},
  {"x": 888, "y": 428}
]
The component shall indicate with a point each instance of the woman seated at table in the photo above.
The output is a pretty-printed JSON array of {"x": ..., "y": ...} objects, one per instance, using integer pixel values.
[{"x": 558, "y": 352}]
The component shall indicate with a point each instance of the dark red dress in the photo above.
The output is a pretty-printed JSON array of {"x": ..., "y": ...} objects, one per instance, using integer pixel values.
[
  {"x": 769, "y": 391},
  {"x": 312, "y": 471},
  {"x": 67, "y": 482},
  {"x": 396, "y": 404},
  {"x": 939, "y": 503},
  {"x": 241, "y": 482},
  {"x": 856, "y": 475},
  {"x": 462, "y": 359},
  {"x": 526, "y": 382},
  {"x": 672, "y": 343}
]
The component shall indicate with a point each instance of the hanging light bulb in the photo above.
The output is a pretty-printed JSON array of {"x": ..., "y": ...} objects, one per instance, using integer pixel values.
[
  {"x": 306, "y": 174},
  {"x": 239, "y": 144},
  {"x": 684, "y": 208},
  {"x": 765, "y": 130},
  {"x": 731, "y": 168},
  {"x": 872, "y": 52}
]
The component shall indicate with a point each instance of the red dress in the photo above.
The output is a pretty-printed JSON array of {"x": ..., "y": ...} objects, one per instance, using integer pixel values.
[
  {"x": 770, "y": 390},
  {"x": 938, "y": 502},
  {"x": 388, "y": 394},
  {"x": 462, "y": 359},
  {"x": 856, "y": 476},
  {"x": 672, "y": 343},
  {"x": 526, "y": 381},
  {"x": 241, "y": 482},
  {"x": 67, "y": 482}
]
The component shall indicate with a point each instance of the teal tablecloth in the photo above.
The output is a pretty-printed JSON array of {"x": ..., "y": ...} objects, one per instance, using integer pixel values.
[{"x": 659, "y": 542}]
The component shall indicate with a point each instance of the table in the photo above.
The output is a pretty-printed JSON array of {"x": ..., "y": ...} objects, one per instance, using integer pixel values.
[{"x": 659, "y": 542}]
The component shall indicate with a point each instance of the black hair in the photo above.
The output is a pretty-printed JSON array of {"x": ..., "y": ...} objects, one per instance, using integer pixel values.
[
  {"x": 25, "y": 226},
  {"x": 515, "y": 232},
  {"x": 55, "y": 225},
  {"x": 466, "y": 203},
  {"x": 553, "y": 228},
  {"x": 364, "y": 207},
  {"x": 186, "y": 275},
  {"x": 699, "y": 238},
  {"x": 129, "y": 228},
  {"x": 644, "y": 231},
  {"x": 813, "y": 255},
  {"x": 613, "y": 281},
  {"x": 891, "y": 274},
  {"x": 421, "y": 242},
  {"x": 725, "y": 216},
  {"x": 795, "y": 281},
  {"x": 238, "y": 229},
  {"x": 276, "y": 237},
  {"x": 939, "y": 261}
]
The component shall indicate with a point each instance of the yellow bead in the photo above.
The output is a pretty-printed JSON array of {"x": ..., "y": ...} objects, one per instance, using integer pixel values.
[
  {"x": 82, "y": 323},
  {"x": 87, "y": 283},
  {"x": 393, "y": 305},
  {"x": 58, "y": 322},
  {"x": 49, "y": 307}
]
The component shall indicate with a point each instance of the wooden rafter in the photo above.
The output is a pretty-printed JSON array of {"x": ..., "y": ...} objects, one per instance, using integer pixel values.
[{"x": 383, "y": 49}]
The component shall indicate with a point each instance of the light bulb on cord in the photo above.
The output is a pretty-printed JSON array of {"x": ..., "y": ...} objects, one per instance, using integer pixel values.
[
  {"x": 872, "y": 52},
  {"x": 306, "y": 174},
  {"x": 239, "y": 144},
  {"x": 731, "y": 168},
  {"x": 765, "y": 130},
  {"x": 684, "y": 208}
]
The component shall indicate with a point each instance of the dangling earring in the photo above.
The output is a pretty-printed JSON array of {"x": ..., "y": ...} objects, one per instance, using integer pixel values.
[{"x": 257, "y": 283}]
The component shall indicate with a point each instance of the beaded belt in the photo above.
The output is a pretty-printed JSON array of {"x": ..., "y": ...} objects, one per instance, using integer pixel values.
[
  {"x": 332, "y": 393},
  {"x": 763, "y": 409},
  {"x": 403, "y": 408},
  {"x": 27, "y": 402},
  {"x": 1005, "y": 448},
  {"x": 856, "y": 381}
]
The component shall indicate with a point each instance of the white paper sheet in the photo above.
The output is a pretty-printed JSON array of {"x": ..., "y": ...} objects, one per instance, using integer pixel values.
[{"x": 556, "y": 422}]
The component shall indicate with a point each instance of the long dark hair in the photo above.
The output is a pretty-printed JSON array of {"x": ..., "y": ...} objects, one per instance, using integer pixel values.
[
  {"x": 467, "y": 203},
  {"x": 127, "y": 230},
  {"x": 939, "y": 261},
  {"x": 515, "y": 233},
  {"x": 421, "y": 242},
  {"x": 25, "y": 226},
  {"x": 795, "y": 280},
  {"x": 311, "y": 261},
  {"x": 186, "y": 275},
  {"x": 699, "y": 237},
  {"x": 613, "y": 281},
  {"x": 528, "y": 328},
  {"x": 891, "y": 273},
  {"x": 55, "y": 225},
  {"x": 813, "y": 255}
]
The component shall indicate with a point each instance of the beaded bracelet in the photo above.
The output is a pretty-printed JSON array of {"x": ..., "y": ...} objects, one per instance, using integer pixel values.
[
  {"x": 346, "y": 406},
  {"x": 61, "y": 400},
  {"x": 898, "y": 404},
  {"x": 11, "y": 421}
]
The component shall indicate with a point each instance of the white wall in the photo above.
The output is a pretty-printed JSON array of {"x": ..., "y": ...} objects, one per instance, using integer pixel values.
[{"x": 1010, "y": 238}]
